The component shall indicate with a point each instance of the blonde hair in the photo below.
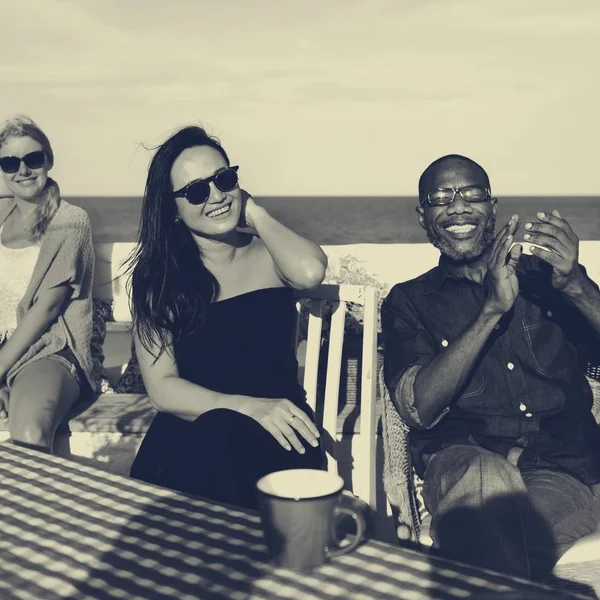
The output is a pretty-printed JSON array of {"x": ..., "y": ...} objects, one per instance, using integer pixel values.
[{"x": 23, "y": 126}]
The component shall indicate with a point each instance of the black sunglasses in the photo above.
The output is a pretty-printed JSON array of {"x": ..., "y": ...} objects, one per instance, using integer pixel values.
[
  {"x": 198, "y": 191},
  {"x": 33, "y": 160}
]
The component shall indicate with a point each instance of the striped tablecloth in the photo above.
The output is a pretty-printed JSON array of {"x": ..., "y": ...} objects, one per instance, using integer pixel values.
[{"x": 72, "y": 531}]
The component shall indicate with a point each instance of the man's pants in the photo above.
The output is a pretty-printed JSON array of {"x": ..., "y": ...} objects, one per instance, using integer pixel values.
[{"x": 486, "y": 512}]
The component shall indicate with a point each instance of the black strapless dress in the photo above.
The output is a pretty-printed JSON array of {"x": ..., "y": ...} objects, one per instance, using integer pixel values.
[{"x": 246, "y": 347}]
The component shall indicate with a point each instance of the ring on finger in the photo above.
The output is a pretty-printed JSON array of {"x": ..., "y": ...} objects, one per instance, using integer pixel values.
[{"x": 289, "y": 421}]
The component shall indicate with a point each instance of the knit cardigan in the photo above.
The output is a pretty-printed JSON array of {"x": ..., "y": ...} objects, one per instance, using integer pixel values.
[{"x": 66, "y": 256}]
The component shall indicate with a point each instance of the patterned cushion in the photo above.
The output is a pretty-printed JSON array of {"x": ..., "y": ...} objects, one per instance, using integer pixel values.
[
  {"x": 102, "y": 313},
  {"x": 419, "y": 494},
  {"x": 131, "y": 381},
  {"x": 595, "y": 385}
]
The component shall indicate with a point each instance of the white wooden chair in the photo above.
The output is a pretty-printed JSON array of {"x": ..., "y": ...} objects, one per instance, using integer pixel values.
[{"x": 364, "y": 444}]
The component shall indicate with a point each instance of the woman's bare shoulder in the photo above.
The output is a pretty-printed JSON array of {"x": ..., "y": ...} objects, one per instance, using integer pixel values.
[
  {"x": 257, "y": 250},
  {"x": 263, "y": 262}
]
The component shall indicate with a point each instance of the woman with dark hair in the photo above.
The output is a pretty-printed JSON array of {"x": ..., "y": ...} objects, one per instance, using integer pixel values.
[
  {"x": 214, "y": 326},
  {"x": 46, "y": 274}
]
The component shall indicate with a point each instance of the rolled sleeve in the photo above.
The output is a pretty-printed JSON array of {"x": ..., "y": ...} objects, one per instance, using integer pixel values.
[
  {"x": 404, "y": 400},
  {"x": 408, "y": 346},
  {"x": 406, "y": 341}
]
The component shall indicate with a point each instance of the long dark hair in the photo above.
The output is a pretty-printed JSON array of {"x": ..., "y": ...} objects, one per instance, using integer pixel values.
[{"x": 170, "y": 287}]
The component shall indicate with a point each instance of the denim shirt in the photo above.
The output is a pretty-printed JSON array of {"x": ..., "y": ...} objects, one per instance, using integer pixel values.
[{"x": 527, "y": 388}]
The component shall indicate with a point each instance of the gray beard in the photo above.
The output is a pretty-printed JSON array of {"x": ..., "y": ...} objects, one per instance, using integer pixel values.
[{"x": 485, "y": 241}]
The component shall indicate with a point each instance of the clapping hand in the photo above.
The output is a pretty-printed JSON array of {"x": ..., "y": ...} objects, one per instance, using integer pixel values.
[
  {"x": 560, "y": 248},
  {"x": 501, "y": 267}
]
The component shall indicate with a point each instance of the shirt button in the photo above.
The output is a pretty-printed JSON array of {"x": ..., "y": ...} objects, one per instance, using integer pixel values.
[
  {"x": 549, "y": 313},
  {"x": 522, "y": 407},
  {"x": 528, "y": 415},
  {"x": 444, "y": 343},
  {"x": 510, "y": 366},
  {"x": 496, "y": 326}
]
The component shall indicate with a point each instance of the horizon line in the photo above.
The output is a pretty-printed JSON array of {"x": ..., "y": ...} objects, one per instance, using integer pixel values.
[{"x": 383, "y": 196}]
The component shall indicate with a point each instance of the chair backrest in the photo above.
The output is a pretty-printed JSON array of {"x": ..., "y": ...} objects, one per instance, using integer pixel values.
[
  {"x": 110, "y": 281},
  {"x": 364, "y": 444}
]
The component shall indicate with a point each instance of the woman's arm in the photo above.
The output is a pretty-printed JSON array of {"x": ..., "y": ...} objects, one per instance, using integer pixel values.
[
  {"x": 170, "y": 393},
  {"x": 35, "y": 322},
  {"x": 299, "y": 263}
]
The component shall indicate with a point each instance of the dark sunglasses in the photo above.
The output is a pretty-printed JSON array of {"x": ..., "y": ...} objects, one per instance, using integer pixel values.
[
  {"x": 198, "y": 191},
  {"x": 33, "y": 160}
]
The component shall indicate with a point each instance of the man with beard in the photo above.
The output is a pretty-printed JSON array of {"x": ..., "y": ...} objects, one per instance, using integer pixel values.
[{"x": 482, "y": 361}]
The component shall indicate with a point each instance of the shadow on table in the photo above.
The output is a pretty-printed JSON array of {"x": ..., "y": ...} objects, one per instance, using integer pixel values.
[
  {"x": 177, "y": 546},
  {"x": 458, "y": 537},
  {"x": 180, "y": 547}
]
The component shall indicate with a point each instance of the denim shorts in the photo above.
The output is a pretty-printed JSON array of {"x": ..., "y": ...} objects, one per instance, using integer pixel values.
[{"x": 68, "y": 360}]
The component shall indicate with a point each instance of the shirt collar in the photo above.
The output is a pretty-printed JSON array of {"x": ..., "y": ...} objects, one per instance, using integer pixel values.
[{"x": 436, "y": 277}]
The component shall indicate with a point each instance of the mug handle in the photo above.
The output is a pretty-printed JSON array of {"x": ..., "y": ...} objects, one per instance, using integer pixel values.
[{"x": 356, "y": 538}]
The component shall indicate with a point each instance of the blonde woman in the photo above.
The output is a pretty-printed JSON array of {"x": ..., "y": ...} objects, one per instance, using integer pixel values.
[{"x": 46, "y": 273}]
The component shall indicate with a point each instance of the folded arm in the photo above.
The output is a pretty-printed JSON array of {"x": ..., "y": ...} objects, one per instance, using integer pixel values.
[
  {"x": 423, "y": 380},
  {"x": 36, "y": 321},
  {"x": 299, "y": 262},
  {"x": 168, "y": 392},
  {"x": 440, "y": 381},
  {"x": 171, "y": 393}
]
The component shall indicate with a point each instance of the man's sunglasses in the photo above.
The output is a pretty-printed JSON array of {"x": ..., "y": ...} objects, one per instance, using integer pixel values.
[
  {"x": 33, "y": 160},
  {"x": 445, "y": 196},
  {"x": 198, "y": 191}
]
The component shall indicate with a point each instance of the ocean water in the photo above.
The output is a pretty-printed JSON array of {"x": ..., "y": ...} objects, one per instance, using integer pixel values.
[{"x": 348, "y": 220}]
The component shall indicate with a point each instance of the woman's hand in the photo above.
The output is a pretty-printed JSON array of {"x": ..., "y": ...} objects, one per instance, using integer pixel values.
[
  {"x": 283, "y": 420},
  {"x": 249, "y": 208}
]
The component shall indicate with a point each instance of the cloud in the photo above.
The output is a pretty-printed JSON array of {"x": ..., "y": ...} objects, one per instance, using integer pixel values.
[{"x": 295, "y": 83}]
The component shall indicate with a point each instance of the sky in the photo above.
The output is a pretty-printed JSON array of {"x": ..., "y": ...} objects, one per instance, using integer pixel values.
[{"x": 312, "y": 97}]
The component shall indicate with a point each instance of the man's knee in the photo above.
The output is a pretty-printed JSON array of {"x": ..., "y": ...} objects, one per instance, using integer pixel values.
[
  {"x": 470, "y": 475},
  {"x": 490, "y": 475},
  {"x": 491, "y": 465}
]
